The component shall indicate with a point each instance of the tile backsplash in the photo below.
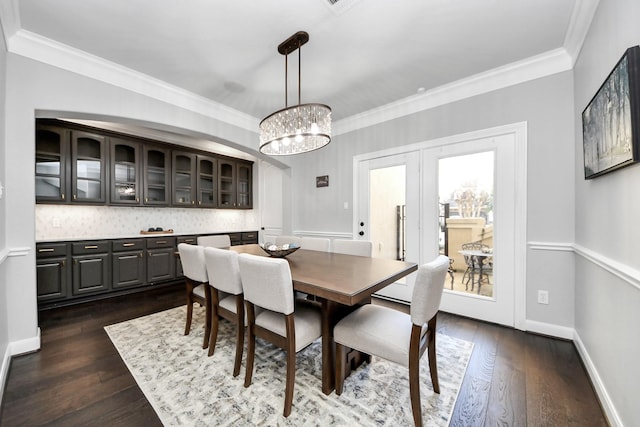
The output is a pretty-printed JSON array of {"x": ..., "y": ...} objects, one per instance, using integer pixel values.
[{"x": 60, "y": 222}]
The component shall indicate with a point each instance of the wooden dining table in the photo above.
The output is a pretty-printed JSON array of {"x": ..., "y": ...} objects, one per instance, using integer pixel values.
[{"x": 340, "y": 283}]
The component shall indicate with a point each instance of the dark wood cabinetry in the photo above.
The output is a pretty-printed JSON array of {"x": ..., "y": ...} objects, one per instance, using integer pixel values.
[
  {"x": 157, "y": 173},
  {"x": 52, "y": 269},
  {"x": 234, "y": 184},
  {"x": 91, "y": 267},
  {"x": 184, "y": 179},
  {"x": 78, "y": 271},
  {"x": 88, "y": 159},
  {"x": 207, "y": 182},
  {"x": 128, "y": 263},
  {"x": 74, "y": 165},
  {"x": 125, "y": 172},
  {"x": 161, "y": 259},
  {"x": 52, "y": 154}
]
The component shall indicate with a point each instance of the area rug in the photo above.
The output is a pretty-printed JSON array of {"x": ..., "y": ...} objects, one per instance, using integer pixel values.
[{"x": 187, "y": 388}]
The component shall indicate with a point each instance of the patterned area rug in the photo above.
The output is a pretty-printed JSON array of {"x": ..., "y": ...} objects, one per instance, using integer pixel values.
[{"x": 187, "y": 388}]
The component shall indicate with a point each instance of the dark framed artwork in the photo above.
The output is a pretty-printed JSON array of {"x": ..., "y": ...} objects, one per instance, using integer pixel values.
[{"x": 611, "y": 121}]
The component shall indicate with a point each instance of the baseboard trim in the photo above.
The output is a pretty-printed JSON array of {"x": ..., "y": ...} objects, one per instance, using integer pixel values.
[
  {"x": 25, "y": 346},
  {"x": 549, "y": 329},
  {"x": 4, "y": 370},
  {"x": 605, "y": 400}
]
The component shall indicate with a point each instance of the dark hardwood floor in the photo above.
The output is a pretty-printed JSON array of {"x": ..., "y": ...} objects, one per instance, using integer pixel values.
[{"x": 78, "y": 378}]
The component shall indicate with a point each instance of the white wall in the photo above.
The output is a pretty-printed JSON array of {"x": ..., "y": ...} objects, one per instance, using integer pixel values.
[
  {"x": 546, "y": 105},
  {"x": 4, "y": 329},
  {"x": 607, "y": 233}
]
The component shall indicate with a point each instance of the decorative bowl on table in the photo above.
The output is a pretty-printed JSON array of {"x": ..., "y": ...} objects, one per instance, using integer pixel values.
[{"x": 279, "y": 251}]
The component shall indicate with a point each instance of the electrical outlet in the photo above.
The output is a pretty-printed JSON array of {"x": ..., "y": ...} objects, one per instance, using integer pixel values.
[
  {"x": 543, "y": 297},
  {"x": 56, "y": 223}
]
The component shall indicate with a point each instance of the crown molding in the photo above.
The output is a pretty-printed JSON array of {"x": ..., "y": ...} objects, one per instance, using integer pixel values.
[
  {"x": 581, "y": 17},
  {"x": 42, "y": 49},
  {"x": 546, "y": 64}
]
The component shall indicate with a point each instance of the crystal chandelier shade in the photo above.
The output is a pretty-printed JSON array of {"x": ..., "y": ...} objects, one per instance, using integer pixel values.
[{"x": 299, "y": 128}]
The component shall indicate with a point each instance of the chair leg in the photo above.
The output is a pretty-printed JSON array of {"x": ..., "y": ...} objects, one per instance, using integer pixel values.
[
  {"x": 414, "y": 375},
  {"x": 340, "y": 356},
  {"x": 207, "y": 321},
  {"x": 189, "y": 288},
  {"x": 251, "y": 344},
  {"x": 213, "y": 338},
  {"x": 239, "y": 334},
  {"x": 431, "y": 349},
  {"x": 291, "y": 364}
]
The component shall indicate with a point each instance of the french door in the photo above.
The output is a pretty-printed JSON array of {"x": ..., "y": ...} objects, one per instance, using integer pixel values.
[
  {"x": 387, "y": 212},
  {"x": 492, "y": 162}
]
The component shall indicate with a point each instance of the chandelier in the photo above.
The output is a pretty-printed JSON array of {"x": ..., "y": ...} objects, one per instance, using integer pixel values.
[{"x": 300, "y": 128}]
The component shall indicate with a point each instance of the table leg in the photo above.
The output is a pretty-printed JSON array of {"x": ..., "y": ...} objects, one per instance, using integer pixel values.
[{"x": 332, "y": 312}]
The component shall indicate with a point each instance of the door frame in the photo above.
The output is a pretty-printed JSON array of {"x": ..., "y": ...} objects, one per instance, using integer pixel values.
[{"x": 519, "y": 132}]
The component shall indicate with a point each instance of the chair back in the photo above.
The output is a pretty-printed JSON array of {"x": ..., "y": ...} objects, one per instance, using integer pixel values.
[
  {"x": 281, "y": 240},
  {"x": 192, "y": 259},
  {"x": 427, "y": 291},
  {"x": 353, "y": 247},
  {"x": 267, "y": 282},
  {"x": 315, "y": 244},
  {"x": 220, "y": 241},
  {"x": 223, "y": 270}
]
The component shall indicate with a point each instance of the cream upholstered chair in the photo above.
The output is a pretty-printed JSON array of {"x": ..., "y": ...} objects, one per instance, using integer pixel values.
[
  {"x": 227, "y": 298},
  {"x": 285, "y": 321},
  {"x": 281, "y": 240},
  {"x": 197, "y": 285},
  {"x": 315, "y": 244},
  {"x": 219, "y": 241},
  {"x": 399, "y": 337},
  {"x": 353, "y": 247}
]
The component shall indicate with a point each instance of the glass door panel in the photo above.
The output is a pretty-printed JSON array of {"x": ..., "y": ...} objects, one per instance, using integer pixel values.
[
  {"x": 156, "y": 176},
  {"x": 50, "y": 164},
  {"x": 466, "y": 193},
  {"x": 88, "y": 167},
  {"x": 125, "y": 171}
]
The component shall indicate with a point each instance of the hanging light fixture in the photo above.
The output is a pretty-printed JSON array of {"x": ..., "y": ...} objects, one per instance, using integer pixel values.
[{"x": 300, "y": 128}]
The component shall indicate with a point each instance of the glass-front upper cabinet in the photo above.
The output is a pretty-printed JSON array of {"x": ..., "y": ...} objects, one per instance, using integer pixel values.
[
  {"x": 157, "y": 167},
  {"x": 125, "y": 172},
  {"x": 234, "y": 184},
  {"x": 52, "y": 144},
  {"x": 244, "y": 199},
  {"x": 207, "y": 182},
  {"x": 88, "y": 158},
  {"x": 184, "y": 179}
]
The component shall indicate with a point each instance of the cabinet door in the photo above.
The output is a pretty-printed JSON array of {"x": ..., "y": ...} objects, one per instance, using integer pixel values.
[
  {"x": 129, "y": 269},
  {"x": 226, "y": 184},
  {"x": 52, "y": 278},
  {"x": 52, "y": 147},
  {"x": 90, "y": 273},
  {"x": 207, "y": 182},
  {"x": 184, "y": 179},
  {"x": 157, "y": 166},
  {"x": 88, "y": 159},
  {"x": 160, "y": 264},
  {"x": 244, "y": 197},
  {"x": 125, "y": 172}
]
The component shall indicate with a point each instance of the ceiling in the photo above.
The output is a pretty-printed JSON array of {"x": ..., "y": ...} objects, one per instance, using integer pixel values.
[{"x": 362, "y": 54}]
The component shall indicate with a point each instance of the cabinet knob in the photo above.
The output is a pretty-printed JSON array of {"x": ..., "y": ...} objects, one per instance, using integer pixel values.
[
  {"x": 193, "y": 202},
  {"x": 62, "y": 196},
  {"x": 62, "y": 263},
  {"x": 75, "y": 197},
  {"x": 146, "y": 199},
  {"x": 137, "y": 200}
]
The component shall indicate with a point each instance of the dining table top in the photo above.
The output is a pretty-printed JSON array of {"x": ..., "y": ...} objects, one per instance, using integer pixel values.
[{"x": 345, "y": 279}]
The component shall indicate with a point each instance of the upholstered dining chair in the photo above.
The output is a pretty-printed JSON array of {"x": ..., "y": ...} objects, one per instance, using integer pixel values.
[
  {"x": 281, "y": 240},
  {"x": 315, "y": 244},
  {"x": 398, "y": 337},
  {"x": 285, "y": 321},
  {"x": 227, "y": 299},
  {"x": 197, "y": 285},
  {"x": 219, "y": 241},
  {"x": 353, "y": 247}
]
